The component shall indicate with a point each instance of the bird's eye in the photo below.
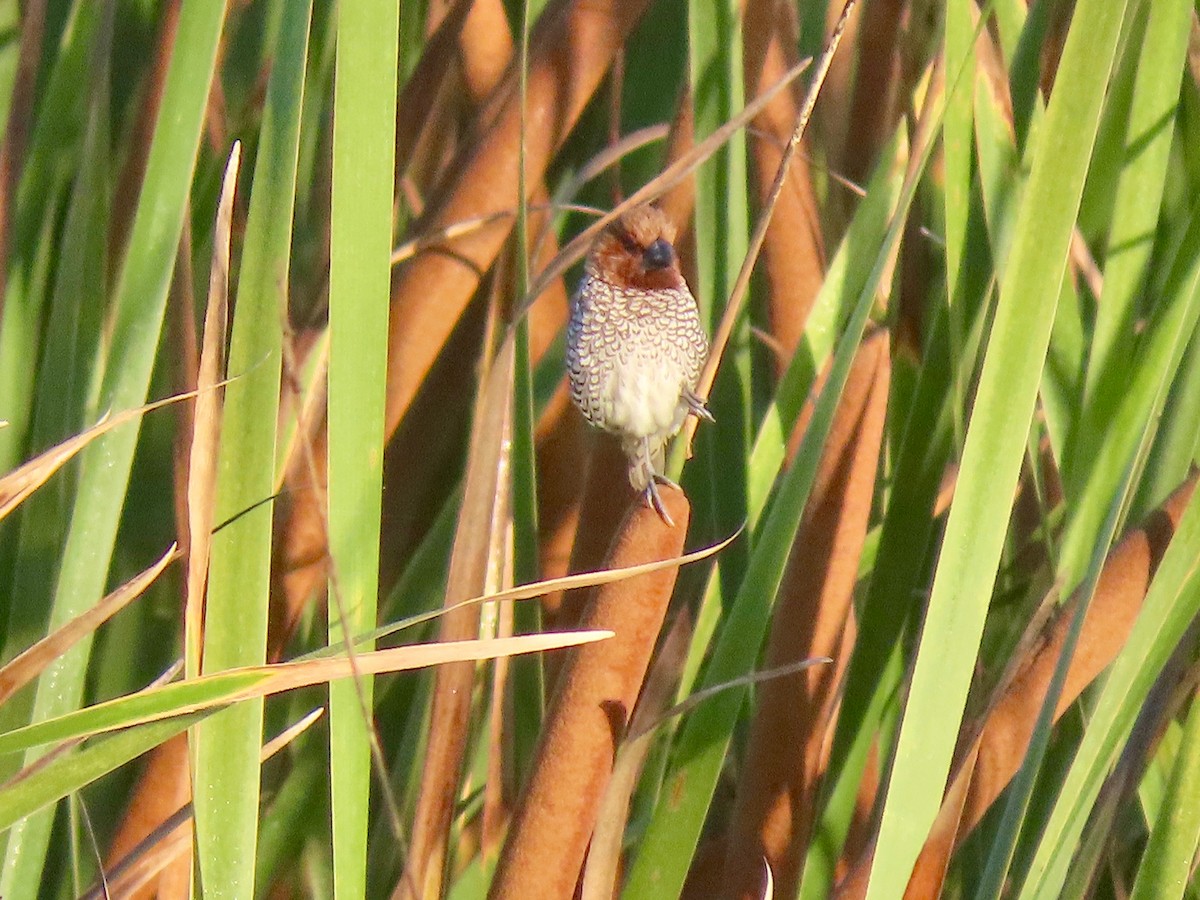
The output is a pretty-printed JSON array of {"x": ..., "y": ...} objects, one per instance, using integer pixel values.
[
  {"x": 658, "y": 255},
  {"x": 627, "y": 242}
]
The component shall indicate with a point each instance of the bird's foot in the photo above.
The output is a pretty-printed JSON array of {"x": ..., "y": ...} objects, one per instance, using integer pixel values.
[
  {"x": 654, "y": 500},
  {"x": 696, "y": 405}
]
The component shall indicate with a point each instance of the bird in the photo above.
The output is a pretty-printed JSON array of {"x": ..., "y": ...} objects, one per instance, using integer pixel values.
[{"x": 635, "y": 345}]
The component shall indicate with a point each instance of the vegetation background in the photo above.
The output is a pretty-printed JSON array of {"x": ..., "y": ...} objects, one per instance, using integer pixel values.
[{"x": 936, "y": 632}]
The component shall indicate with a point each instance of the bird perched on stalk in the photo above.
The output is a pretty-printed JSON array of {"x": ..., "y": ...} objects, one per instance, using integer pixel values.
[{"x": 635, "y": 345}]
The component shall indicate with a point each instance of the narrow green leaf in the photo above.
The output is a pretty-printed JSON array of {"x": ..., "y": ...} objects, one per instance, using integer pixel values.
[
  {"x": 994, "y": 448},
  {"x": 1167, "y": 863},
  {"x": 140, "y": 299},
  {"x": 73, "y": 770},
  {"x": 359, "y": 294},
  {"x": 226, "y": 748}
]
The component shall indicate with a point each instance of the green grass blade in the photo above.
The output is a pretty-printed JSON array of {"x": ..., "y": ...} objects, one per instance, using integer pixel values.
[
  {"x": 359, "y": 292},
  {"x": 1145, "y": 158},
  {"x": 1129, "y": 434},
  {"x": 721, "y": 226},
  {"x": 78, "y": 768},
  {"x": 227, "y": 747},
  {"x": 1167, "y": 862},
  {"x": 140, "y": 298},
  {"x": 994, "y": 448},
  {"x": 1170, "y": 606}
]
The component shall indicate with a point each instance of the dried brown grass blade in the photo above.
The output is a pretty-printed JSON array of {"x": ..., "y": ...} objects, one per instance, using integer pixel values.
[
  {"x": 29, "y": 664},
  {"x": 566, "y": 582},
  {"x": 469, "y": 564},
  {"x": 788, "y": 749},
  {"x": 589, "y": 714},
  {"x": 22, "y": 481},
  {"x": 289, "y": 676},
  {"x": 206, "y": 424}
]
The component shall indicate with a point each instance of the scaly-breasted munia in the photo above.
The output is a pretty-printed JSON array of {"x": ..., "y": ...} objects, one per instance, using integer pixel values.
[{"x": 635, "y": 345}]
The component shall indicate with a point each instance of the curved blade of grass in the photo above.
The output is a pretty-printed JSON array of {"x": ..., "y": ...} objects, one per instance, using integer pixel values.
[
  {"x": 140, "y": 298},
  {"x": 1114, "y": 359},
  {"x": 234, "y": 685},
  {"x": 994, "y": 448},
  {"x": 18, "y": 484},
  {"x": 71, "y": 771},
  {"x": 226, "y": 747},
  {"x": 1140, "y": 407},
  {"x": 550, "y": 585}
]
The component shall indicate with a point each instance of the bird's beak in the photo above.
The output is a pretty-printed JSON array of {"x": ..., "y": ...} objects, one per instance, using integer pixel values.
[{"x": 658, "y": 255}]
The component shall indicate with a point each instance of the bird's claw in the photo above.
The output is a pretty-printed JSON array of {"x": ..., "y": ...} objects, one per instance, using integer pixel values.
[
  {"x": 654, "y": 500},
  {"x": 697, "y": 406}
]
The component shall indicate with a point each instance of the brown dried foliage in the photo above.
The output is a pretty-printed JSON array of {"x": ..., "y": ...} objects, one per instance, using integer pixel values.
[
  {"x": 588, "y": 717},
  {"x": 449, "y": 719},
  {"x": 877, "y": 85},
  {"x": 788, "y": 739},
  {"x": 1005, "y": 735},
  {"x": 794, "y": 250}
]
